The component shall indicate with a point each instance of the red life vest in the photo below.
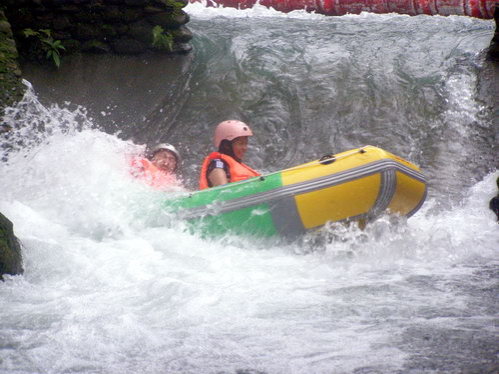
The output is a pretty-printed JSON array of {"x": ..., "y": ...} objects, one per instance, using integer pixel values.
[
  {"x": 144, "y": 169},
  {"x": 238, "y": 170}
]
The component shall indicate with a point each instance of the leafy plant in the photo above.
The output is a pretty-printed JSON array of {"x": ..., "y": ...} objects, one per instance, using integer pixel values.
[
  {"x": 51, "y": 46},
  {"x": 162, "y": 39}
]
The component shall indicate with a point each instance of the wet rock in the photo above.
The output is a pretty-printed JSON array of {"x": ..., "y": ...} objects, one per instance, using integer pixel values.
[
  {"x": 111, "y": 13},
  {"x": 121, "y": 28},
  {"x": 69, "y": 8},
  {"x": 109, "y": 30},
  {"x": 493, "y": 52},
  {"x": 141, "y": 31},
  {"x": 61, "y": 35},
  {"x": 182, "y": 35},
  {"x": 95, "y": 46},
  {"x": 168, "y": 3},
  {"x": 11, "y": 86},
  {"x": 71, "y": 45},
  {"x": 5, "y": 28},
  {"x": 134, "y": 2},
  {"x": 152, "y": 10},
  {"x": 181, "y": 48},
  {"x": 10, "y": 249},
  {"x": 61, "y": 22},
  {"x": 86, "y": 31},
  {"x": 128, "y": 46},
  {"x": 169, "y": 20},
  {"x": 130, "y": 14}
]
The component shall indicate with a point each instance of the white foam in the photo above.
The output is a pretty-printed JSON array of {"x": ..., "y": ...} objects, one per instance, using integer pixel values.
[{"x": 108, "y": 289}]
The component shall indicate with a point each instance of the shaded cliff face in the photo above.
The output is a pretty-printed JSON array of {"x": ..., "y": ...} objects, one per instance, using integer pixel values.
[
  {"x": 10, "y": 249},
  {"x": 11, "y": 87},
  {"x": 493, "y": 53}
]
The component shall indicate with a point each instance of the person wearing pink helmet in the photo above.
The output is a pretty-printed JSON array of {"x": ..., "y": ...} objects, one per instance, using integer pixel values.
[{"x": 226, "y": 166}]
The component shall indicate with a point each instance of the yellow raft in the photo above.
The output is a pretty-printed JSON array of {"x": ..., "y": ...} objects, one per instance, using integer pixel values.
[{"x": 359, "y": 184}]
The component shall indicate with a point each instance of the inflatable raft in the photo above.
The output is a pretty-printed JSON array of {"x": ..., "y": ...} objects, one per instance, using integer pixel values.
[{"x": 359, "y": 184}]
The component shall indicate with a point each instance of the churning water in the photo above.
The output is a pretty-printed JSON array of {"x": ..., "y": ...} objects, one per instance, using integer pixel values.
[{"x": 112, "y": 285}]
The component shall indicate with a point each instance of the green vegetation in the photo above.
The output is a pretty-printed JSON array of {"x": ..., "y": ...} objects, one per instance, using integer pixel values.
[
  {"x": 11, "y": 87},
  {"x": 175, "y": 6},
  {"x": 162, "y": 39},
  {"x": 51, "y": 46}
]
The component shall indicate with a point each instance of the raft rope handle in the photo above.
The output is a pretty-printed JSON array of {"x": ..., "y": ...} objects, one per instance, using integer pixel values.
[
  {"x": 327, "y": 159},
  {"x": 319, "y": 162}
]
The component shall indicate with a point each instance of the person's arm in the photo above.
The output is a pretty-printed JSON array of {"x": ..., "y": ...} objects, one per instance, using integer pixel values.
[{"x": 218, "y": 177}]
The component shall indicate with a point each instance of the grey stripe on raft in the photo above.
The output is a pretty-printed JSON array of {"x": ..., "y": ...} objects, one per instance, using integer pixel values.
[
  {"x": 420, "y": 203},
  {"x": 300, "y": 188},
  {"x": 386, "y": 191},
  {"x": 287, "y": 220}
]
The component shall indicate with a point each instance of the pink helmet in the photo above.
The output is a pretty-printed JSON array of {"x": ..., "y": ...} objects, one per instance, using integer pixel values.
[{"x": 230, "y": 130}]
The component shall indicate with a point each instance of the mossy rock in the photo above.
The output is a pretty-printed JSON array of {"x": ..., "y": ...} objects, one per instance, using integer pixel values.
[
  {"x": 71, "y": 45},
  {"x": 85, "y": 31},
  {"x": 181, "y": 48},
  {"x": 5, "y": 28},
  {"x": 171, "y": 3},
  {"x": 111, "y": 13},
  {"x": 128, "y": 46},
  {"x": 142, "y": 31},
  {"x": 169, "y": 20},
  {"x": 181, "y": 35},
  {"x": 95, "y": 46},
  {"x": 11, "y": 87},
  {"x": 10, "y": 249}
]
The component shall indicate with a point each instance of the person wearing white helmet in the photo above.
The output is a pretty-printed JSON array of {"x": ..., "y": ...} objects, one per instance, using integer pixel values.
[
  {"x": 165, "y": 157},
  {"x": 226, "y": 165},
  {"x": 160, "y": 168}
]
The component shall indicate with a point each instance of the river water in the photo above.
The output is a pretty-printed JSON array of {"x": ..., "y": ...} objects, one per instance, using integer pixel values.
[{"x": 113, "y": 285}]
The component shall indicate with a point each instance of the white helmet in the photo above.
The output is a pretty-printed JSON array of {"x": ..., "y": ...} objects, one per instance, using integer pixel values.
[{"x": 167, "y": 147}]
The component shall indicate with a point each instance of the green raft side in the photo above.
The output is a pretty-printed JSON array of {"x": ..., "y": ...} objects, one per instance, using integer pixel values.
[
  {"x": 253, "y": 221},
  {"x": 206, "y": 215}
]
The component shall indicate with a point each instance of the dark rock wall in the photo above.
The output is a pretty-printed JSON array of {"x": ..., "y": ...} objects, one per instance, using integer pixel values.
[
  {"x": 11, "y": 87},
  {"x": 10, "y": 249},
  {"x": 11, "y": 91},
  {"x": 102, "y": 26},
  {"x": 494, "y": 45}
]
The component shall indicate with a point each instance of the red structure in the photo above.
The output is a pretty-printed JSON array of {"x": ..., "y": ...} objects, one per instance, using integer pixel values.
[{"x": 472, "y": 8}]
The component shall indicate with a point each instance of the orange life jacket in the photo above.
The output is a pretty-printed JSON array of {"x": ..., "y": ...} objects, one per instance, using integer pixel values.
[
  {"x": 144, "y": 169},
  {"x": 238, "y": 170}
]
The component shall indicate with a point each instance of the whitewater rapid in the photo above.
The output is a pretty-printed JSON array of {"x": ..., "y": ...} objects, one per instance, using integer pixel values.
[{"x": 113, "y": 284}]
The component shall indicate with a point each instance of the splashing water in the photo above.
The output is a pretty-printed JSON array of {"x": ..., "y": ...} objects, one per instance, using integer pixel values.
[{"x": 114, "y": 285}]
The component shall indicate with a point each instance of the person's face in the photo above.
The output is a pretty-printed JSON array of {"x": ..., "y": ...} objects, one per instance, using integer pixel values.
[
  {"x": 239, "y": 146},
  {"x": 165, "y": 161}
]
